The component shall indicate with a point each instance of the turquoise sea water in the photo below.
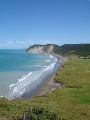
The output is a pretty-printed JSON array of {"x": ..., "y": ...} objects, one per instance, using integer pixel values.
[{"x": 18, "y": 70}]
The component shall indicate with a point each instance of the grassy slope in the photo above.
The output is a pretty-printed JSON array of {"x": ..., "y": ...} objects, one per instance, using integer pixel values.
[{"x": 71, "y": 102}]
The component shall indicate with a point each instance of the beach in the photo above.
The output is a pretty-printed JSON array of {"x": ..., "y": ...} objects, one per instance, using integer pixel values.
[
  {"x": 24, "y": 72},
  {"x": 27, "y": 74},
  {"x": 47, "y": 84}
]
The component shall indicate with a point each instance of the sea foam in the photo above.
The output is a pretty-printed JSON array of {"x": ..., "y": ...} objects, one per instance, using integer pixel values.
[{"x": 19, "y": 88}]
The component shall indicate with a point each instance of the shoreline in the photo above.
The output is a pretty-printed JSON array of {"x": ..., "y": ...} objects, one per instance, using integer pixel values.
[
  {"x": 48, "y": 85},
  {"x": 51, "y": 85},
  {"x": 46, "y": 82}
]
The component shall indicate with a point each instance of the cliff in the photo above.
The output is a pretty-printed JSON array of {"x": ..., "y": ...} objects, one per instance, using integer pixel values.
[{"x": 44, "y": 49}]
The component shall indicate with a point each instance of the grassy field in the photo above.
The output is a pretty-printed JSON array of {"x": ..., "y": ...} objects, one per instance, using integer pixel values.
[{"x": 71, "y": 102}]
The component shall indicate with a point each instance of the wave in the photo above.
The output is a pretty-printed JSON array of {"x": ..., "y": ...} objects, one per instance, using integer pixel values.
[
  {"x": 37, "y": 65},
  {"x": 24, "y": 77},
  {"x": 48, "y": 60},
  {"x": 51, "y": 56},
  {"x": 19, "y": 88},
  {"x": 50, "y": 67}
]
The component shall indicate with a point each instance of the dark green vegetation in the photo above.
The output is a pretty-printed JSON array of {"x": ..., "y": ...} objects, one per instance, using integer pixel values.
[
  {"x": 37, "y": 113},
  {"x": 71, "y": 102},
  {"x": 76, "y": 49}
]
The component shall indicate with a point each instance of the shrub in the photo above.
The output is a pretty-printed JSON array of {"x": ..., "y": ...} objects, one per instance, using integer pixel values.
[{"x": 39, "y": 113}]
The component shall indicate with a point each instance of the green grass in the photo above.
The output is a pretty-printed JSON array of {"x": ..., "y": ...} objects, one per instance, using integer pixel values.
[{"x": 71, "y": 102}]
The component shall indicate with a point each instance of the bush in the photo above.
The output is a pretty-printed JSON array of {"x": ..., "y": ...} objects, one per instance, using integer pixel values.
[{"x": 39, "y": 113}]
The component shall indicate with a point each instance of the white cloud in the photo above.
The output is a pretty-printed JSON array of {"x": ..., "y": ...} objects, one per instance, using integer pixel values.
[
  {"x": 23, "y": 43},
  {"x": 15, "y": 44}
]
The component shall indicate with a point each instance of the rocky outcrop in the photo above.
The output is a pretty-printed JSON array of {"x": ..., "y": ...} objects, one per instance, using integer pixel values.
[{"x": 44, "y": 49}]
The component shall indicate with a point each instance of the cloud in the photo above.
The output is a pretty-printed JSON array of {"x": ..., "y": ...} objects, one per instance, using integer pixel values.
[
  {"x": 15, "y": 44},
  {"x": 23, "y": 43}
]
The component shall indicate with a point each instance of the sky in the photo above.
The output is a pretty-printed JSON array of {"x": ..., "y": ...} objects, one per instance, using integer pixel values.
[{"x": 27, "y": 22}]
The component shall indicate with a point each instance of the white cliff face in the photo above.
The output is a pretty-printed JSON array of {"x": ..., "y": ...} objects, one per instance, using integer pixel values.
[
  {"x": 41, "y": 49},
  {"x": 36, "y": 50}
]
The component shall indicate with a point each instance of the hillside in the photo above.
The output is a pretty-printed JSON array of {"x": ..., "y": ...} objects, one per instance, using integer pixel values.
[
  {"x": 76, "y": 49},
  {"x": 66, "y": 49}
]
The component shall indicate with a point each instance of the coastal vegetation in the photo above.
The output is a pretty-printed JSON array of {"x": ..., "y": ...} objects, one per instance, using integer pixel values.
[
  {"x": 81, "y": 50},
  {"x": 72, "y": 102}
]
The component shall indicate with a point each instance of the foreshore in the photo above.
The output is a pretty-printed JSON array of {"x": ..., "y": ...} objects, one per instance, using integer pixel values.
[
  {"x": 51, "y": 85},
  {"x": 48, "y": 85}
]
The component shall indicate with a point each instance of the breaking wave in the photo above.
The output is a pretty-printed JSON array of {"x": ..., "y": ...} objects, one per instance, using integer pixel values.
[{"x": 20, "y": 87}]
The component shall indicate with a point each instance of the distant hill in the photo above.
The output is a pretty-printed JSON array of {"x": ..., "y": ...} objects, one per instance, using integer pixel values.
[
  {"x": 66, "y": 49},
  {"x": 44, "y": 49},
  {"x": 77, "y": 49}
]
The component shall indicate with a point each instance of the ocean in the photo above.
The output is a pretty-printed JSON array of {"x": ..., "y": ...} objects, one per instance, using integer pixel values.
[{"x": 20, "y": 72}]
